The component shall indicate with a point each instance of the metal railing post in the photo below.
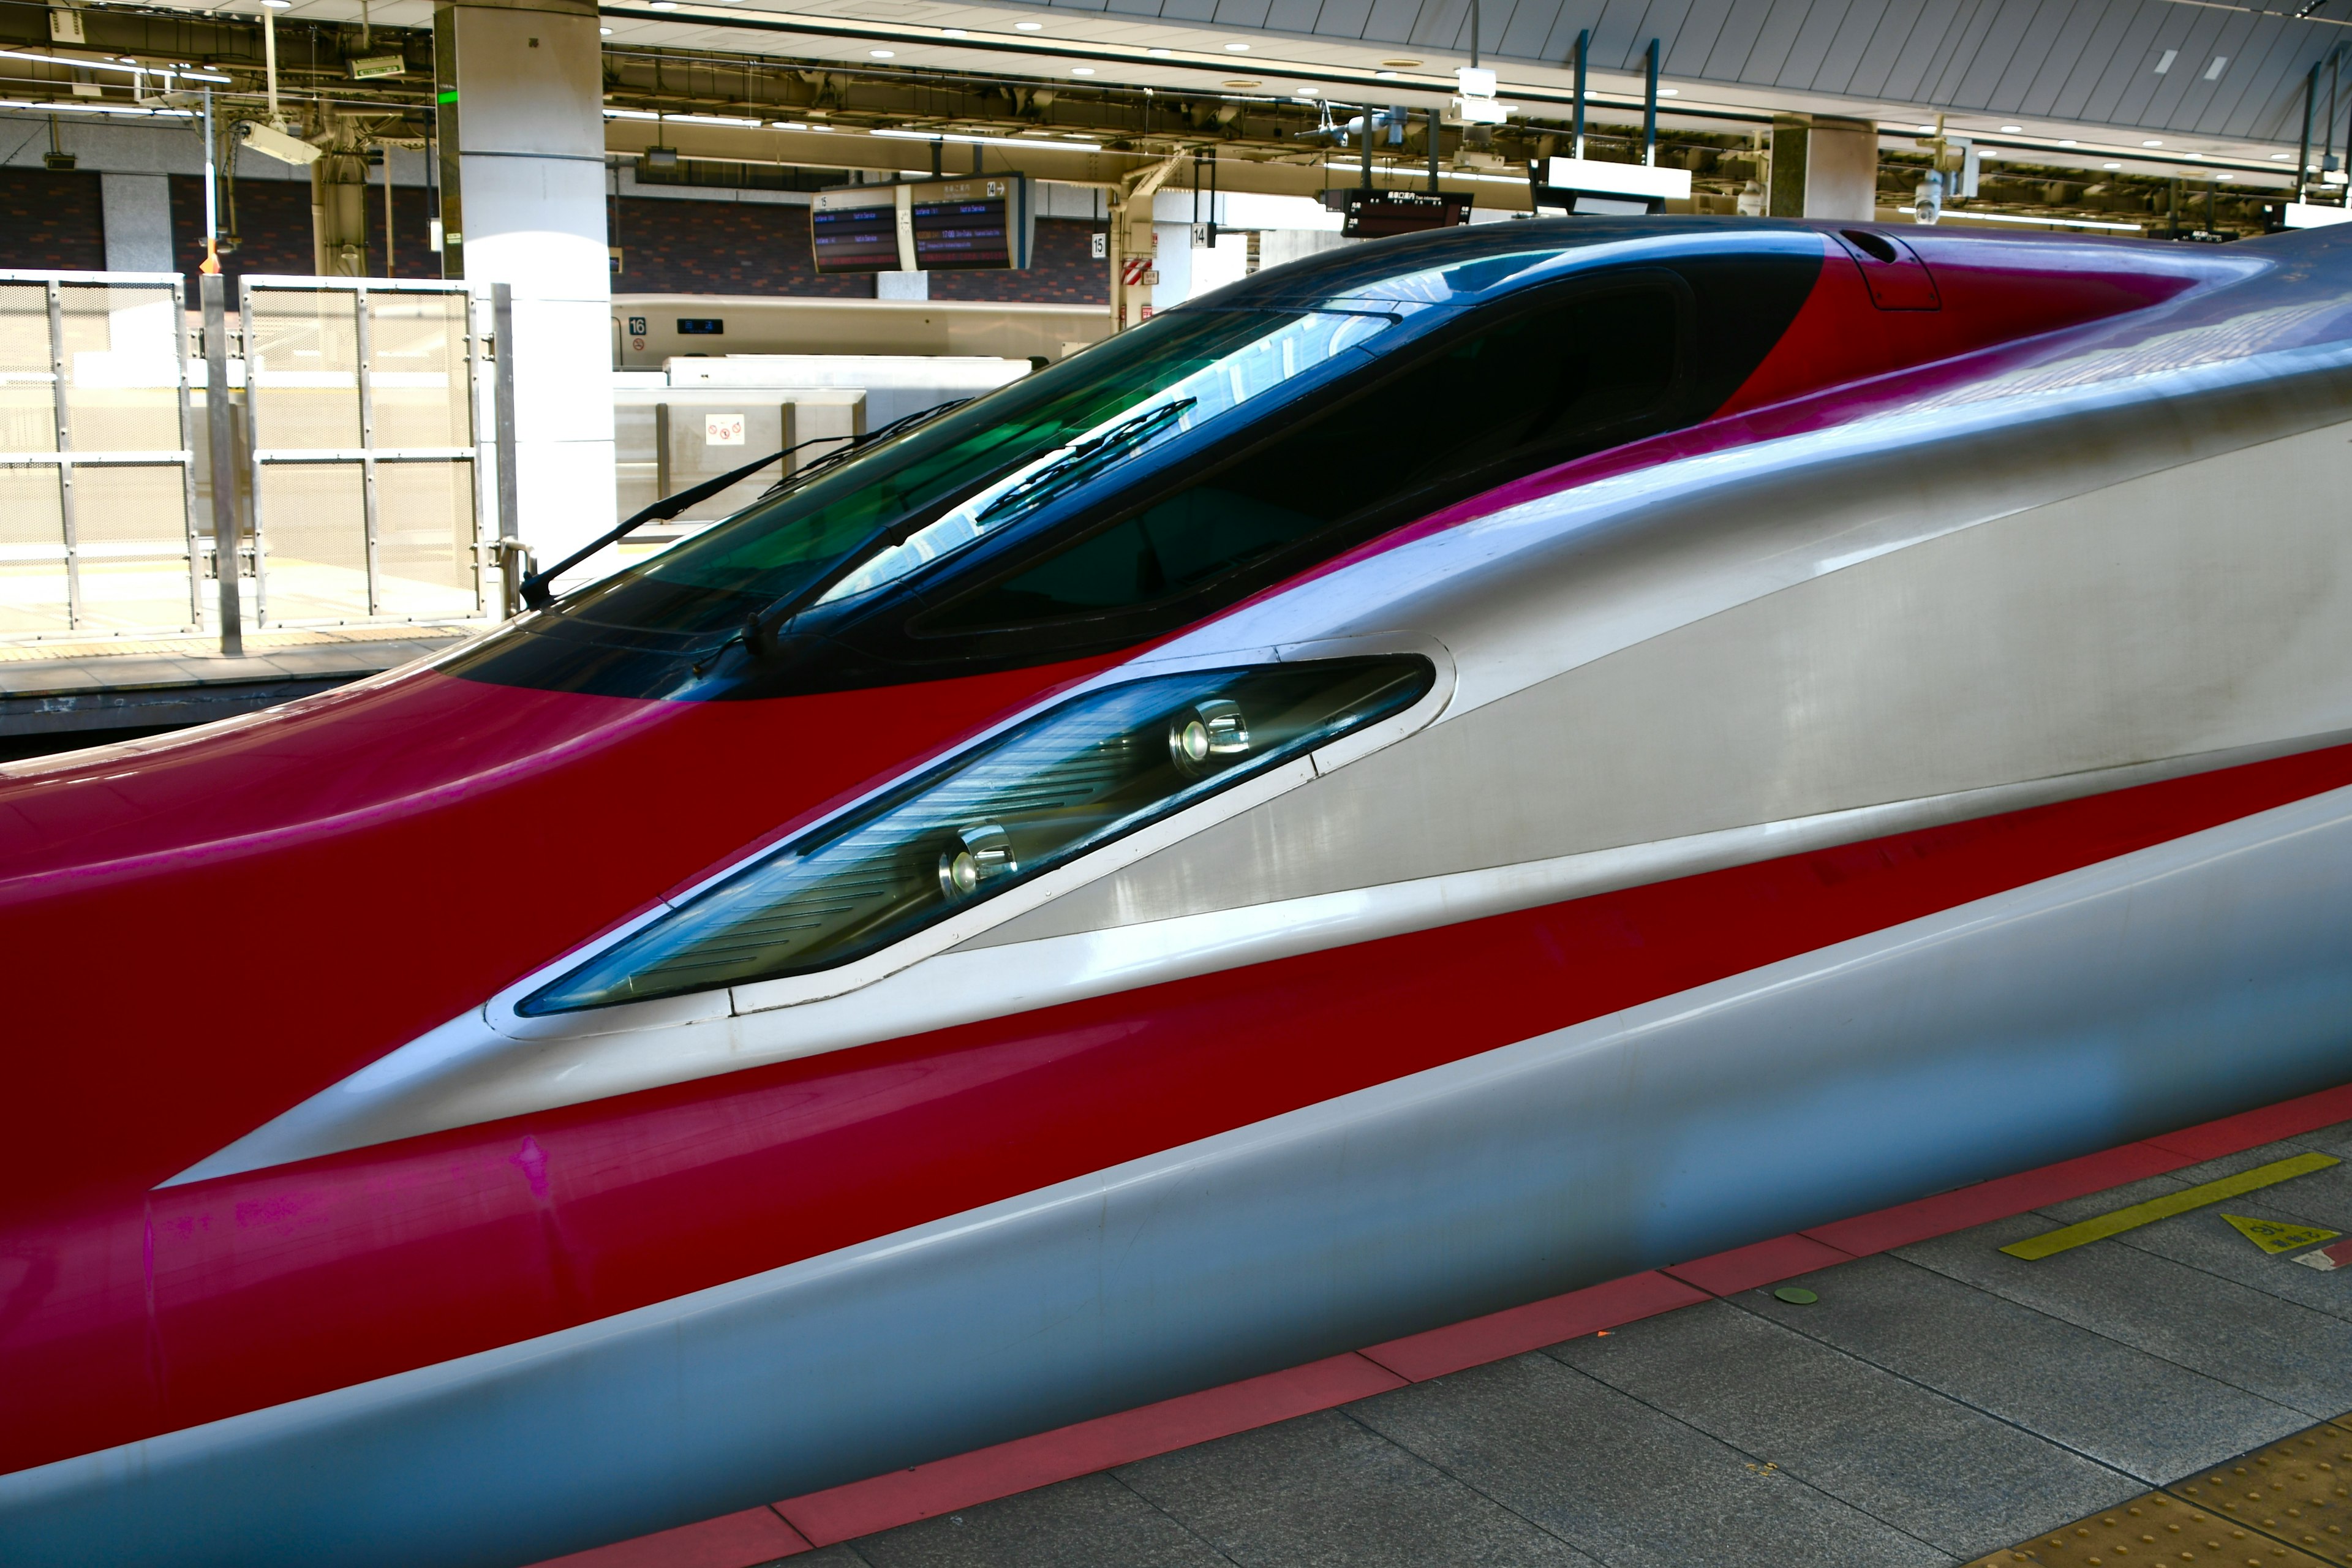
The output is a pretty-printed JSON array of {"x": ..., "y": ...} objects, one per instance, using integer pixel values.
[
  {"x": 66, "y": 519},
  {"x": 363, "y": 349},
  {"x": 221, "y": 442},
  {"x": 511, "y": 571}
]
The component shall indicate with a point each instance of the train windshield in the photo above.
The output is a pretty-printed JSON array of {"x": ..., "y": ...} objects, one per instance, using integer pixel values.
[{"x": 940, "y": 486}]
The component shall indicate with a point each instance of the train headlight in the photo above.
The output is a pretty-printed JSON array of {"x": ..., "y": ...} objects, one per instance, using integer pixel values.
[
  {"x": 1053, "y": 787},
  {"x": 1206, "y": 737},
  {"x": 975, "y": 855}
]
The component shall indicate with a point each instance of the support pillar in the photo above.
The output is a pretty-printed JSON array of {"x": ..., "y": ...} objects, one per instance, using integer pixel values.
[
  {"x": 1824, "y": 168},
  {"x": 520, "y": 90}
]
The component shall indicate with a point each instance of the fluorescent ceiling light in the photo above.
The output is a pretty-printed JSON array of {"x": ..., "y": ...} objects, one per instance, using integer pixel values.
[
  {"x": 2068, "y": 142},
  {"x": 603, "y": 32},
  {"x": 1237, "y": 49},
  {"x": 884, "y": 54},
  {"x": 972, "y": 140},
  {"x": 1384, "y": 75},
  {"x": 2111, "y": 165},
  {"x": 2011, "y": 129},
  {"x": 133, "y": 66},
  {"x": 1028, "y": 27},
  {"x": 2281, "y": 157},
  {"x": 2157, "y": 141},
  {"x": 1161, "y": 54},
  {"x": 67, "y": 106},
  {"x": 2057, "y": 222},
  {"x": 1926, "y": 129},
  {"x": 710, "y": 119},
  {"x": 1670, "y": 92},
  {"x": 952, "y": 33},
  {"x": 631, "y": 114},
  {"x": 1082, "y": 70}
]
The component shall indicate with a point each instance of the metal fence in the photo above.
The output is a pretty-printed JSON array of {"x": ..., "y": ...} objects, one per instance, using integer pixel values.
[
  {"x": 364, "y": 484},
  {"x": 355, "y": 419},
  {"x": 97, "y": 502}
]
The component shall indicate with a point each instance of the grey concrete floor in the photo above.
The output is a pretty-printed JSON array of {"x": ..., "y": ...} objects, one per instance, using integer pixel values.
[{"x": 1938, "y": 1402}]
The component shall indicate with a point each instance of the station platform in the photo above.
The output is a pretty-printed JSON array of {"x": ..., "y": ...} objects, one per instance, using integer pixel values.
[
  {"x": 2165, "y": 1375},
  {"x": 59, "y": 696}
]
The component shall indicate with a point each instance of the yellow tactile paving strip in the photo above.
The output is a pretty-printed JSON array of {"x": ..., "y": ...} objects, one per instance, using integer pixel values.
[
  {"x": 2285, "y": 1505},
  {"x": 207, "y": 645},
  {"x": 2299, "y": 1489}
]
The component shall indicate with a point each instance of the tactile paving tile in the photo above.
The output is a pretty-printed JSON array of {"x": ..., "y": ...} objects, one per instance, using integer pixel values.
[
  {"x": 2298, "y": 1489},
  {"x": 2155, "y": 1529}
]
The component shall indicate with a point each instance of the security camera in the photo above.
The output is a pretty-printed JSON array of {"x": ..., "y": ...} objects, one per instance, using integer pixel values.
[{"x": 272, "y": 143}]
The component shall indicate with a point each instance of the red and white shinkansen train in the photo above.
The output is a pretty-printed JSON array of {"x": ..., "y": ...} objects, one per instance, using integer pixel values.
[{"x": 1441, "y": 774}]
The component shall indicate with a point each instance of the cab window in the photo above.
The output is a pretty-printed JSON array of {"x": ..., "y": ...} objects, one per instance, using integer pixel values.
[{"x": 1526, "y": 392}]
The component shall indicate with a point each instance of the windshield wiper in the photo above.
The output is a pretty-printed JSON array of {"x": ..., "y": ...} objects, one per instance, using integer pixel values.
[
  {"x": 760, "y": 628},
  {"x": 535, "y": 591},
  {"x": 1082, "y": 458}
]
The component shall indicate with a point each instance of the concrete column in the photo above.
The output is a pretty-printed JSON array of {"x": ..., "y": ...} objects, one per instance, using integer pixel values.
[
  {"x": 136, "y": 210},
  {"x": 521, "y": 93},
  {"x": 1825, "y": 168}
]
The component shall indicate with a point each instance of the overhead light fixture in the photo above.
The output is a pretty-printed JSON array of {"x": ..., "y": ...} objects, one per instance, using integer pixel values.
[
  {"x": 2111, "y": 165},
  {"x": 1028, "y": 27},
  {"x": 603, "y": 32},
  {"x": 1401, "y": 64},
  {"x": 2281, "y": 157},
  {"x": 711, "y": 120},
  {"x": 631, "y": 114},
  {"x": 973, "y": 139},
  {"x": 1670, "y": 92},
  {"x": 884, "y": 54},
  {"x": 1384, "y": 75},
  {"x": 2068, "y": 142},
  {"x": 2225, "y": 175},
  {"x": 2197, "y": 155},
  {"x": 1237, "y": 49},
  {"x": 2157, "y": 141},
  {"x": 953, "y": 33},
  {"x": 1248, "y": 83},
  {"x": 1306, "y": 92},
  {"x": 2012, "y": 130},
  {"x": 663, "y": 5},
  {"x": 789, "y": 124},
  {"x": 1082, "y": 70},
  {"x": 103, "y": 66},
  {"x": 1925, "y": 130},
  {"x": 280, "y": 5},
  {"x": 1160, "y": 54}
]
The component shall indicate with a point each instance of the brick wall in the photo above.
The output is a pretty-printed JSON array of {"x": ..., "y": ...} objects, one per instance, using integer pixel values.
[
  {"x": 762, "y": 248},
  {"x": 676, "y": 246},
  {"x": 51, "y": 222},
  {"x": 273, "y": 220}
]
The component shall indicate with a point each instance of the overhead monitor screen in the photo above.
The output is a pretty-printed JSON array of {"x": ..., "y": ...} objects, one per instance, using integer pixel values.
[
  {"x": 857, "y": 234},
  {"x": 923, "y": 226},
  {"x": 965, "y": 224},
  {"x": 1372, "y": 214}
]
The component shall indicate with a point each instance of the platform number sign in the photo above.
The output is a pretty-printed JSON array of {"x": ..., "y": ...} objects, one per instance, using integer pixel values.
[
  {"x": 638, "y": 334},
  {"x": 1098, "y": 245},
  {"x": 722, "y": 429}
]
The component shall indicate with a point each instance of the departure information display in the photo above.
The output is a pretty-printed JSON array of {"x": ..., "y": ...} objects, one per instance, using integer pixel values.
[
  {"x": 857, "y": 236},
  {"x": 1373, "y": 214},
  {"x": 984, "y": 222},
  {"x": 966, "y": 224}
]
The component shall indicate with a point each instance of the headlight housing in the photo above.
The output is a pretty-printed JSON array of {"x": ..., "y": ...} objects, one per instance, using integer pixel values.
[{"x": 1045, "y": 790}]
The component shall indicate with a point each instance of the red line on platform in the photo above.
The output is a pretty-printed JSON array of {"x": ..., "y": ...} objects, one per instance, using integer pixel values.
[
  {"x": 731, "y": 1540},
  {"x": 984, "y": 1474}
]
